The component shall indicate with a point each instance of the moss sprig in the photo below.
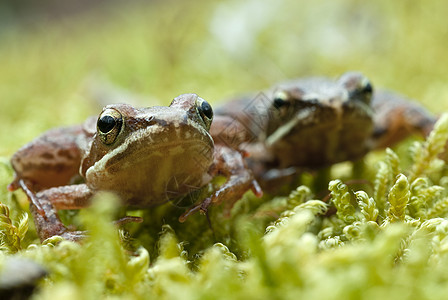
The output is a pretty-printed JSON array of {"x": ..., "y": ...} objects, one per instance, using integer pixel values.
[
  {"x": 298, "y": 196},
  {"x": 426, "y": 155},
  {"x": 11, "y": 236},
  {"x": 387, "y": 171},
  {"x": 331, "y": 242},
  {"x": 398, "y": 197},
  {"x": 425, "y": 201},
  {"x": 316, "y": 207},
  {"x": 367, "y": 205},
  {"x": 342, "y": 199},
  {"x": 439, "y": 209}
]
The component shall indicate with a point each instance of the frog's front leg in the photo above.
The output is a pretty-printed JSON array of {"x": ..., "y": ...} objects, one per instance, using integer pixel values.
[
  {"x": 230, "y": 163},
  {"x": 397, "y": 118},
  {"x": 44, "y": 206}
]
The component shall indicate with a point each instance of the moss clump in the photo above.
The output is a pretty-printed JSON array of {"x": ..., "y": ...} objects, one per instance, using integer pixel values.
[
  {"x": 394, "y": 247},
  {"x": 381, "y": 242}
]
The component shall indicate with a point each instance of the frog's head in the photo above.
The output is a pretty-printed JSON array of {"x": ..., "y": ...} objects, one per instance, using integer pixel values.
[
  {"x": 320, "y": 113},
  {"x": 136, "y": 146}
]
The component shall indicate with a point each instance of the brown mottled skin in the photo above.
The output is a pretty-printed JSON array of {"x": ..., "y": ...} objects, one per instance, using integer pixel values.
[{"x": 146, "y": 156}]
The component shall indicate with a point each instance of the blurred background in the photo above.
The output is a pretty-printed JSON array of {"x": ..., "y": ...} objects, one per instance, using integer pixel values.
[{"x": 51, "y": 49}]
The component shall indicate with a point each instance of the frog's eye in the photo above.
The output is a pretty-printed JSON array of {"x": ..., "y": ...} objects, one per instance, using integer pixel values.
[
  {"x": 358, "y": 86},
  {"x": 205, "y": 111},
  {"x": 281, "y": 99},
  {"x": 367, "y": 87},
  {"x": 109, "y": 125},
  {"x": 364, "y": 87},
  {"x": 364, "y": 91}
]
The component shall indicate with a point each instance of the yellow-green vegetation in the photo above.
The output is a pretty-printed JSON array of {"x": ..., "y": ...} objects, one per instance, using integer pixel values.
[
  {"x": 381, "y": 241},
  {"x": 289, "y": 247}
]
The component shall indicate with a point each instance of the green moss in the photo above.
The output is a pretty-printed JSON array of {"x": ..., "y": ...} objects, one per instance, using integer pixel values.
[
  {"x": 398, "y": 199},
  {"x": 11, "y": 236},
  {"x": 382, "y": 242},
  {"x": 306, "y": 252}
]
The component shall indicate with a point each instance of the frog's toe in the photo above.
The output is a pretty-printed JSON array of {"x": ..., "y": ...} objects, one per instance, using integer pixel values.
[
  {"x": 189, "y": 212},
  {"x": 74, "y": 236},
  {"x": 256, "y": 189}
]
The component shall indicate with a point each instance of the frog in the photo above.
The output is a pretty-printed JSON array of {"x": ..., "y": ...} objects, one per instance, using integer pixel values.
[
  {"x": 312, "y": 123},
  {"x": 146, "y": 156}
]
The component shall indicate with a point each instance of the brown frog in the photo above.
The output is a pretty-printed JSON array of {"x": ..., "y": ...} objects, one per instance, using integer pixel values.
[
  {"x": 147, "y": 156},
  {"x": 315, "y": 122}
]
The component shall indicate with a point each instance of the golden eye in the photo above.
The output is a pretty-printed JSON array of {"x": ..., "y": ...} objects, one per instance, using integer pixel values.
[
  {"x": 366, "y": 86},
  {"x": 358, "y": 86},
  {"x": 281, "y": 99},
  {"x": 363, "y": 91},
  {"x": 205, "y": 111},
  {"x": 109, "y": 125}
]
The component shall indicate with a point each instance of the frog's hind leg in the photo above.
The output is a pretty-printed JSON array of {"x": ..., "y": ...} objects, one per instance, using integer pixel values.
[
  {"x": 230, "y": 163},
  {"x": 44, "y": 205}
]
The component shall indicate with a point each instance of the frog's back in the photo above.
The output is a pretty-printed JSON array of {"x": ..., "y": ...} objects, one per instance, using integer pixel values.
[
  {"x": 396, "y": 117},
  {"x": 53, "y": 159}
]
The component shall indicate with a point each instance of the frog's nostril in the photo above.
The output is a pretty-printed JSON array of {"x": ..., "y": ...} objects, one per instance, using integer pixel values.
[{"x": 151, "y": 121}]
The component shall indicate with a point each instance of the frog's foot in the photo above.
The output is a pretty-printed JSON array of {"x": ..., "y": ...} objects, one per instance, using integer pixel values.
[
  {"x": 14, "y": 185},
  {"x": 230, "y": 195},
  {"x": 44, "y": 205},
  {"x": 31, "y": 195},
  {"x": 240, "y": 179},
  {"x": 48, "y": 224},
  {"x": 75, "y": 236}
]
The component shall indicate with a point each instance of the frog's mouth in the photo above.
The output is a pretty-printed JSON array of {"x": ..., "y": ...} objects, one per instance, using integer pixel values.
[
  {"x": 304, "y": 116},
  {"x": 160, "y": 141},
  {"x": 326, "y": 118}
]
